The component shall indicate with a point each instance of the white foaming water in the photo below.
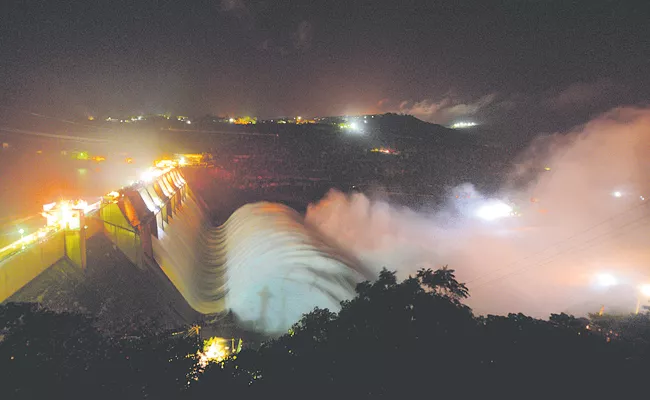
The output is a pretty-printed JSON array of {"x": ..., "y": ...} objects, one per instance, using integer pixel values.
[
  {"x": 584, "y": 213},
  {"x": 263, "y": 264}
]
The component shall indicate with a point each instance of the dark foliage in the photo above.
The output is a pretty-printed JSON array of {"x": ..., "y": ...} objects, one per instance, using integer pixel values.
[
  {"x": 393, "y": 340},
  {"x": 60, "y": 355},
  {"x": 415, "y": 338}
]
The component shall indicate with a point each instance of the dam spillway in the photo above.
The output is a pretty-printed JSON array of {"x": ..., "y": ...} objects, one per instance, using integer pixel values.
[{"x": 263, "y": 263}]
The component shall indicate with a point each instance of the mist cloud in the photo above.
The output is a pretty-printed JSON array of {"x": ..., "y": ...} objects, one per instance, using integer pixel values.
[
  {"x": 582, "y": 95},
  {"x": 234, "y": 6},
  {"x": 303, "y": 35},
  {"x": 545, "y": 260},
  {"x": 445, "y": 110}
]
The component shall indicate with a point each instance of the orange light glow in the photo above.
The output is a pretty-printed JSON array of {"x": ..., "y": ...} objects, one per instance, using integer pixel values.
[
  {"x": 383, "y": 150},
  {"x": 244, "y": 121},
  {"x": 216, "y": 350},
  {"x": 164, "y": 163},
  {"x": 113, "y": 196},
  {"x": 65, "y": 214}
]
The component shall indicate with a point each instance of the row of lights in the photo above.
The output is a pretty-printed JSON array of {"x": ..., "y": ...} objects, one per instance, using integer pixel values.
[
  {"x": 458, "y": 125},
  {"x": 64, "y": 214},
  {"x": 619, "y": 194},
  {"x": 59, "y": 215}
]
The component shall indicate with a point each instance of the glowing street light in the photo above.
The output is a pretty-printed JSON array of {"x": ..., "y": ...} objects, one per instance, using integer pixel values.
[
  {"x": 645, "y": 289},
  {"x": 22, "y": 236},
  {"x": 491, "y": 212},
  {"x": 606, "y": 280},
  {"x": 617, "y": 194},
  {"x": 147, "y": 176}
]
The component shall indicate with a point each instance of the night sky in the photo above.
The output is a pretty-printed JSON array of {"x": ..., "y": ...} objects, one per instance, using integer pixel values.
[{"x": 545, "y": 64}]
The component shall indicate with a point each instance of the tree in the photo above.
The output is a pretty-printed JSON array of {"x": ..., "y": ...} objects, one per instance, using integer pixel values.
[
  {"x": 370, "y": 346},
  {"x": 444, "y": 282},
  {"x": 415, "y": 337}
]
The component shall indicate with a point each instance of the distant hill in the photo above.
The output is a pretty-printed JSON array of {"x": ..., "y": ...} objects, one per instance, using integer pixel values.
[
  {"x": 400, "y": 127},
  {"x": 391, "y": 125},
  {"x": 408, "y": 125}
]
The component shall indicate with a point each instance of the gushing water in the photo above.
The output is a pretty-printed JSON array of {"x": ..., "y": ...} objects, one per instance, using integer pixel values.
[{"x": 534, "y": 247}]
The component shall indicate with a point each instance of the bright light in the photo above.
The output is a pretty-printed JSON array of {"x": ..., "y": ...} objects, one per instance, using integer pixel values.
[
  {"x": 645, "y": 290},
  {"x": 214, "y": 350},
  {"x": 354, "y": 126},
  {"x": 182, "y": 161},
  {"x": 188, "y": 122},
  {"x": 491, "y": 212},
  {"x": 65, "y": 214},
  {"x": 383, "y": 150},
  {"x": 231, "y": 120},
  {"x": 617, "y": 194},
  {"x": 458, "y": 125},
  {"x": 21, "y": 231},
  {"x": 153, "y": 173},
  {"x": 113, "y": 195},
  {"x": 147, "y": 176},
  {"x": 606, "y": 280},
  {"x": 164, "y": 163}
]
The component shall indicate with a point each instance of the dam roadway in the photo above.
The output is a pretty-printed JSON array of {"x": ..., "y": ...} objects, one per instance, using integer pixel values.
[{"x": 165, "y": 252}]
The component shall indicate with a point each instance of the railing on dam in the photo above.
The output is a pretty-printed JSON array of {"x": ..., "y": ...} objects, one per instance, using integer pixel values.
[{"x": 128, "y": 218}]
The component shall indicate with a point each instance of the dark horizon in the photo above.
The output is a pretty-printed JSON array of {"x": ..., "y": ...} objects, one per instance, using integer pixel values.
[{"x": 513, "y": 64}]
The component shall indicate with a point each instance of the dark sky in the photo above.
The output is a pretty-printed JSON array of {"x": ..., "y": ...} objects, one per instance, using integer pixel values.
[{"x": 519, "y": 61}]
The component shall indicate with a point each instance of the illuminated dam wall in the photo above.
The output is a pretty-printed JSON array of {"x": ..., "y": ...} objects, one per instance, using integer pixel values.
[
  {"x": 263, "y": 263},
  {"x": 122, "y": 220},
  {"x": 20, "y": 269}
]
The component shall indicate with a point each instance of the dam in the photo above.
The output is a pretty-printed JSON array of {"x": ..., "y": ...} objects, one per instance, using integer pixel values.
[{"x": 155, "y": 251}]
